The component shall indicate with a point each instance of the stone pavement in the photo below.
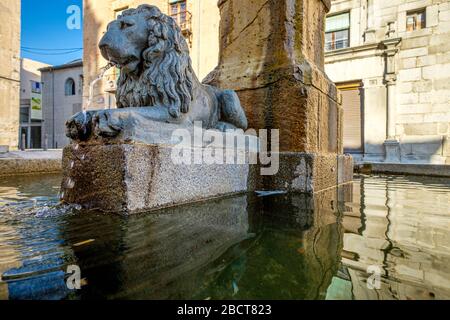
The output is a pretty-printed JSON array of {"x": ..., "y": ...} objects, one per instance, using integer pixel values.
[{"x": 29, "y": 162}]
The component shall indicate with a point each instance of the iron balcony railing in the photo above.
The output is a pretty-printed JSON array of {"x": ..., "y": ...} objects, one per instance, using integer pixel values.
[{"x": 184, "y": 21}]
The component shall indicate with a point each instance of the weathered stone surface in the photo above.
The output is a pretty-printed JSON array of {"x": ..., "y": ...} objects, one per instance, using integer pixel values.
[
  {"x": 28, "y": 166},
  {"x": 135, "y": 177},
  {"x": 433, "y": 170},
  {"x": 30, "y": 162},
  {"x": 271, "y": 54},
  {"x": 10, "y": 73},
  {"x": 309, "y": 173}
]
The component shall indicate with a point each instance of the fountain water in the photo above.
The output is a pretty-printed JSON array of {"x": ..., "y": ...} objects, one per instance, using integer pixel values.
[{"x": 92, "y": 85}]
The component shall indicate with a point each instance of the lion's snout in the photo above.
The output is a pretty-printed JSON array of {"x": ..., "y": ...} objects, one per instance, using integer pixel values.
[{"x": 105, "y": 45}]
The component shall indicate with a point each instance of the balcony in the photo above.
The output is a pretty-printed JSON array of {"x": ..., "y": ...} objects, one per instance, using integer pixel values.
[{"x": 184, "y": 21}]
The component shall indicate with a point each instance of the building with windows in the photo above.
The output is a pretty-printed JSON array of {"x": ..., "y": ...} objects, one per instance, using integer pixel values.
[
  {"x": 62, "y": 96},
  {"x": 391, "y": 60},
  {"x": 9, "y": 73},
  {"x": 198, "y": 20},
  {"x": 31, "y": 118}
]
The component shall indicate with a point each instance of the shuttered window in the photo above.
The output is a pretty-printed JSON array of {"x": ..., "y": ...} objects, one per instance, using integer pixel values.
[{"x": 353, "y": 128}]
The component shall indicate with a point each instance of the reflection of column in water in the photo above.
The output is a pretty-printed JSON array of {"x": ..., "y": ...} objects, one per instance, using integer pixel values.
[
  {"x": 365, "y": 240},
  {"x": 237, "y": 247},
  {"x": 399, "y": 222},
  {"x": 294, "y": 256}
]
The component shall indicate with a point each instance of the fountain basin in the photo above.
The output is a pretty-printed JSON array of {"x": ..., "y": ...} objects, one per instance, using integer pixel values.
[
  {"x": 136, "y": 177},
  {"x": 133, "y": 178}
]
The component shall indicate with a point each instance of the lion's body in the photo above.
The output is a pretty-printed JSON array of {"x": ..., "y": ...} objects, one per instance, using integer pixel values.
[
  {"x": 167, "y": 79},
  {"x": 157, "y": 82}
]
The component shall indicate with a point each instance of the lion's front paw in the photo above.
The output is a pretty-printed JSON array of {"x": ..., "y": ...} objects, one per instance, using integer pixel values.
[
  {"x": 109, "y": 123},
  {"x": 79, "y": 126}
]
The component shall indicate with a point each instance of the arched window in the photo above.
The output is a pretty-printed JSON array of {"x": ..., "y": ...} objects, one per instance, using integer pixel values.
[{"x": 70, "y": 87}]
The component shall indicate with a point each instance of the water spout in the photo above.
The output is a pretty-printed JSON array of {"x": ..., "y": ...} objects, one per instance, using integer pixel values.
[{"x": 92, "y": 85}]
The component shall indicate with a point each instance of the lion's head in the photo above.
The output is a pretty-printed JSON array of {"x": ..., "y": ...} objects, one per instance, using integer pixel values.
[{"x": 154, "y": 59}]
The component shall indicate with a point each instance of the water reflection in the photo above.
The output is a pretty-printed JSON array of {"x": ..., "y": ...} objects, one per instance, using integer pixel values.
[
  {"x": 402, "y": 226},
  {"x": 246, "y": 247}
]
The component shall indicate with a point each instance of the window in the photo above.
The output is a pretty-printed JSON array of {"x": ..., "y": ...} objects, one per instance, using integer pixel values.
[
  {"x": 24, "y": 114},
  {"x": 415, "y": 20},
  {"x": 178, "y": 11},
  {"x": 70, "y": 87},
  {"x": 337, "y": 32}
]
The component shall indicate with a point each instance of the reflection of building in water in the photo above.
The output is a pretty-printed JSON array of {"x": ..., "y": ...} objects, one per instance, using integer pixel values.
[
  {"x": 32, "y": 259},
  {"x": 10, "y": 257},
  {"x": 402, "y": 229}
]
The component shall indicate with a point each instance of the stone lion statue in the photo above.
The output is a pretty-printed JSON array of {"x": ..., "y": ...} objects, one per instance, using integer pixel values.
[{"x": 157, "y": 85}]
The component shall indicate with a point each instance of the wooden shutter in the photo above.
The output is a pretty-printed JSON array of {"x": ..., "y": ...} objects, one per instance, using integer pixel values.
[{"x": 352, "y": 104}]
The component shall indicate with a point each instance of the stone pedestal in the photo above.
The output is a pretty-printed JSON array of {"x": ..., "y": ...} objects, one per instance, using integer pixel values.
[
  {"x": 132, "y": 178},
  {"x": 271, "y": 54},
  {"x": 392, "y": 148}
]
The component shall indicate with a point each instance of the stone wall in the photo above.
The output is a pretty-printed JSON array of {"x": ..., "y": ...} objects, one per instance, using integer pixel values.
[
  {"x": 420, "y": 75},
  {"x": 424, "y": 84},
  {"x": 57, "y": 107},
  {"x": 9, "y": 72},
  {"x": 204, "y": 44}
]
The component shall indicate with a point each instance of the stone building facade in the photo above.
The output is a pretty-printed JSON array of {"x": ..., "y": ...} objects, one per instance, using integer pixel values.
[
  {"x": 9, "y": 72},
  {"x": 391, "y": 59},
  {"x": 30, "y": 130},
  {"x": 62, "y": 97},
  {"x": 198, "y": 19}
]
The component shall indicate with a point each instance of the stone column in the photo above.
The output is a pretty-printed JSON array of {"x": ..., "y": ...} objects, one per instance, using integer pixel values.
[
  {"x": 392, "y": 145},
  {"x": 272, "y": 55},
  {"x": 391, "y": 108},
  {"x": 369, "y": 34}
]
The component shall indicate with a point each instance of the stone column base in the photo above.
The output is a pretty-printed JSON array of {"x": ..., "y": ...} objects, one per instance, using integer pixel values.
[
  {"x": 132, "y": 178},
  {"x": 392, "y": 148},
  {"x": 309, "y": 172}
]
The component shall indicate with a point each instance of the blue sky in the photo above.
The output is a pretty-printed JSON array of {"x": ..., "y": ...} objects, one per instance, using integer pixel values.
[{"x": 44, "y": 26}]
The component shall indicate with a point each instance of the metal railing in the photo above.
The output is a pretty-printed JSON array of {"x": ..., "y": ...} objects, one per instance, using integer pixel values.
[
  {"x": 337, "y": 44},
  {"x": 184, "y": 21}
]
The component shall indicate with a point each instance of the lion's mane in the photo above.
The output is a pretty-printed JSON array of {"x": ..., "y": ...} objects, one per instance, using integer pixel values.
[{"x": 166, "y": 75}]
